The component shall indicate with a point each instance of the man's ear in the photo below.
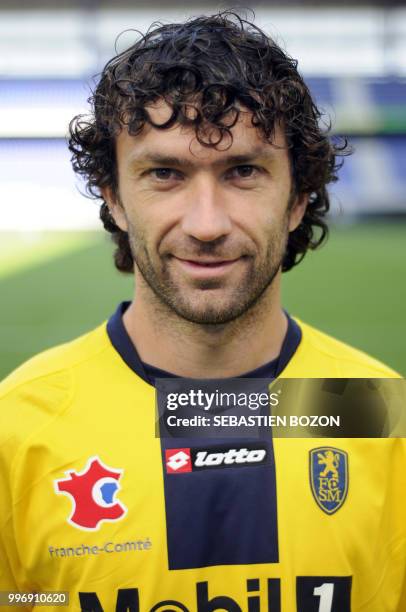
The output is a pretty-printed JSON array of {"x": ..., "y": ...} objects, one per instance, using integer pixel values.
[
  {"x": 115, "y": 207},
  {"x": 297, "y": 211}
]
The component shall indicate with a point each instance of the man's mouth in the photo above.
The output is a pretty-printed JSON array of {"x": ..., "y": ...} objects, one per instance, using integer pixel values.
[
  {"x": 206, "y": 267},
  {"x": 211, "y": 263}
]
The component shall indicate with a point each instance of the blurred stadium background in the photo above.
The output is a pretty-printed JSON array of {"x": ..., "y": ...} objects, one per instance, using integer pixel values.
[{"x": 56, "y": 274}]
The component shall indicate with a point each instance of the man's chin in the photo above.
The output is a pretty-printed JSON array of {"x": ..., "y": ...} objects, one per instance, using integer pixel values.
[
  {"x": 208, "y": 318},
  {"x": 210, "y": 314}
]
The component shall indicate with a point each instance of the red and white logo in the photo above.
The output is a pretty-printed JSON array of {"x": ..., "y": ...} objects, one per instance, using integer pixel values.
[
  {"x": 178, "y": 460},
  {"x": 92, "y": 493}
]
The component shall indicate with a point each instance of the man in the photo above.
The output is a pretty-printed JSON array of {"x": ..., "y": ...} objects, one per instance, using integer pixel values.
[{"x": 206, "y": 153}]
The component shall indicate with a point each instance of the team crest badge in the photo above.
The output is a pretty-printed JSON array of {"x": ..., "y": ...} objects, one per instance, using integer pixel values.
[
  {"x": 93, "y": 495},
  {"x": 329, "y": 477}
]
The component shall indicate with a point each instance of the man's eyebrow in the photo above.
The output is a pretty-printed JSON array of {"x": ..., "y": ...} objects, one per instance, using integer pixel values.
[
  {"x": 173, "y": 160},
  {"x": 159, "y": 160},
  {"x": 245, "y": 158}
]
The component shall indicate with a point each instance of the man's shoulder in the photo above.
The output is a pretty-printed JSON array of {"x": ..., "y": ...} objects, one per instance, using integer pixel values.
[
  {"x": 322, "y": 355},
  {"x": 43, "y": 389},
  {"x": 53, "y": 366}
]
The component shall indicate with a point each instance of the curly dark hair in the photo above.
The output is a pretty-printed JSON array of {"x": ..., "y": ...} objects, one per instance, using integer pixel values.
[{"x": 217, "y": 64}]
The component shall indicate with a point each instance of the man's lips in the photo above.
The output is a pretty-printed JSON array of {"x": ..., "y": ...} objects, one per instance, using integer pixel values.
[{"x": 204, "y": 268}]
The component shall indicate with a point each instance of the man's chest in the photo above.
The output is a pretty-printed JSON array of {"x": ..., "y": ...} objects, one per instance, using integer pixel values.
[{"x": 116, "y": 514}]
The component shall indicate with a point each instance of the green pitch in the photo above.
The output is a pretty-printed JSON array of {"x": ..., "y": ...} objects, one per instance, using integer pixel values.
[{"x": 55, "y": 289}]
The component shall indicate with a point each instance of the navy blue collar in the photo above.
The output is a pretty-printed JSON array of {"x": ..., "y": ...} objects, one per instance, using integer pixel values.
[{"x": 122, "y": 343}]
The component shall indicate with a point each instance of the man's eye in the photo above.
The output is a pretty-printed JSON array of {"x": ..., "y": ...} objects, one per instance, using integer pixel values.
[
  {"x": 244, "y": 172},
  {"x": 164, "y": 174}
]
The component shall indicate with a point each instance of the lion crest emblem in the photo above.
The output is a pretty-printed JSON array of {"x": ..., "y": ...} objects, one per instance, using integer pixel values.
[{"x": 329, "y": 477}]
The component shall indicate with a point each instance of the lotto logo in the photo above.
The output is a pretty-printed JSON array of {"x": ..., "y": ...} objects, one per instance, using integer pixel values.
[
  {"x": 181, "y": 460},
  {"x": 178, "y": 460}
]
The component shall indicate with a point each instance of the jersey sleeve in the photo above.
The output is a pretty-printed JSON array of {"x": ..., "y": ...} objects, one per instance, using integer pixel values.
[
  {"x": 7, "y": 558},
  {"x": 26, "y": 407},
  {"x": 7, "y": 580},
  {"x": 10, "y": 566}
]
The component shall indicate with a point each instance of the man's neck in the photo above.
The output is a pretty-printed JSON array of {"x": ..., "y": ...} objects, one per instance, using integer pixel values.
[{"x": 168, "y": 342}]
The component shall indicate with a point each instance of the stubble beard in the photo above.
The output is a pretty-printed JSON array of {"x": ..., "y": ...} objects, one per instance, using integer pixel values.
[{"x": 209, "y": 308}]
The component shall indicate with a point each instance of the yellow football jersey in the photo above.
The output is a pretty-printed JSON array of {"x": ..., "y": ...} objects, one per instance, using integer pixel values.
[{"x": 94, "y": 504}]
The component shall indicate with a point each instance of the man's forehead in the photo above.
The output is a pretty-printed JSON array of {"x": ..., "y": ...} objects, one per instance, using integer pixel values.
[{"x": 180, "y": 142}]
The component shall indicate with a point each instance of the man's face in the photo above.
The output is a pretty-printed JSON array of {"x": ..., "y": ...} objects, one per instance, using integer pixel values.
[{"x": 207, "y": 228}]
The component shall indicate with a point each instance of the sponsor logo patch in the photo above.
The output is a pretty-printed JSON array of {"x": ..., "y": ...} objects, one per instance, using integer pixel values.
[
  {"x": 93, "y": 495},
  {"x": 181, "y": 460},
  {"x": 329, "y": 477},
  {"x": 178, "y": 460}
]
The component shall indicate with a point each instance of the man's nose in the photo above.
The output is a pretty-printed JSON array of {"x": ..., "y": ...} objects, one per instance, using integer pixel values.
[{"x": 206, "y": 217}]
